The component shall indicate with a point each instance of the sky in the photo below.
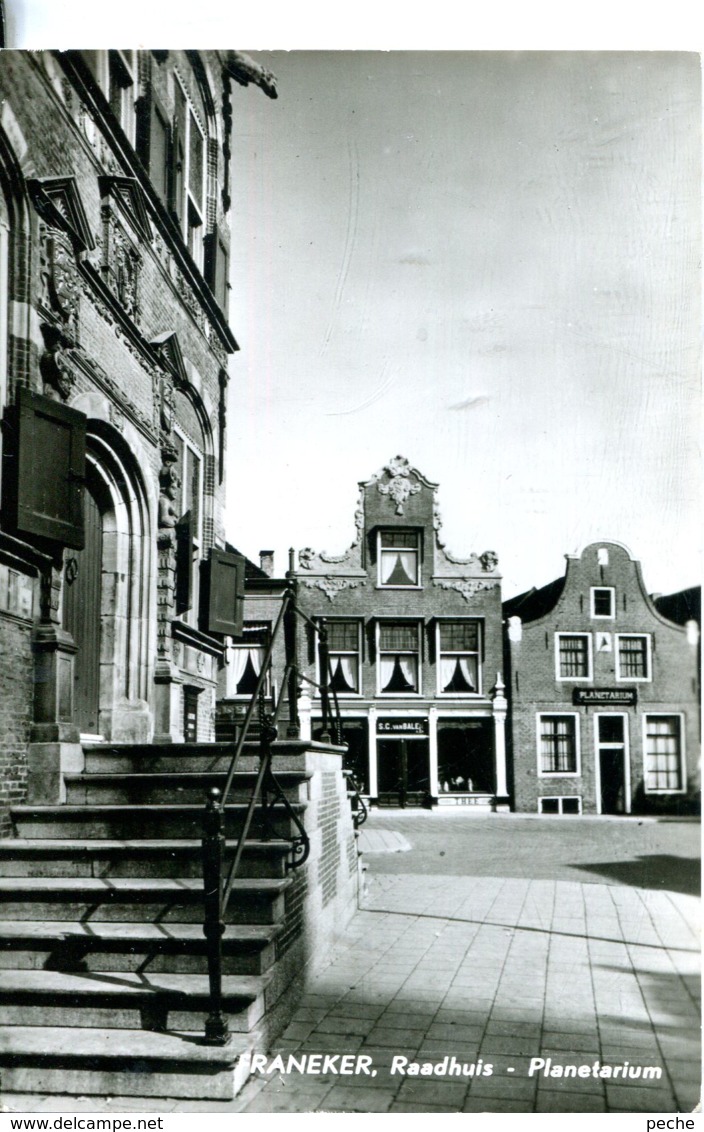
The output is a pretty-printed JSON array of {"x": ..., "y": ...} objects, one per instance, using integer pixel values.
[{"x": 487, "y": 262}]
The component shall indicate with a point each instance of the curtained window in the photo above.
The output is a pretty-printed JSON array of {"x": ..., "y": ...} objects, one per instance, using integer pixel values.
[
  {"x": 558, "y": 744},
  {"x": 573, "y": 656},
  {"x": 245, "y": 658},
  {"x": 399, "y": 558},
  {"x": 663, "y": 753},
  {"x": 458, "y": 656},
  {"x": 343, "y": 650},
  {"x": 633, "y": 658},
  {"x": 398, "y": 657}
]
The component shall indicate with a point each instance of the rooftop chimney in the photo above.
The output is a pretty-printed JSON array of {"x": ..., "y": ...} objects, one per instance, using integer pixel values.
[{"x": 266, "y": 562}]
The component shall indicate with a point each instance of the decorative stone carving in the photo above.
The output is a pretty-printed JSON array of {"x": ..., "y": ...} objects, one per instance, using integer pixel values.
[
  {"x": 489, "y": 560},
  {"x": 331, "y": 587},
  {"x": 117, "y": 419},
  {"x": 166, "y": 406},
  {"x": 121, "y": 265},
  {"x": 60, "y": 283},
  {"x": 305, "y": 558},
  {"x": 169, "y": 483},
  {"x": 400, "y": 486},
  {"x": 468, "y": 587},
  {"x": 55, "y": 366}
]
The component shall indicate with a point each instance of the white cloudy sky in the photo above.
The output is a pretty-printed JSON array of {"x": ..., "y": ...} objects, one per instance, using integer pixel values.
[{"x": 488, "y": 262}]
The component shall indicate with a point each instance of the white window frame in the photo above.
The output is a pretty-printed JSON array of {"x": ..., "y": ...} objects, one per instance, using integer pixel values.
[
  {"x": 592, "y": 603},
  {"x": 479, "y": 622},
  {"x": 577, "y": 745},
  {"x": 341, "y": 652},
  {"x": 196, "y": 247},
  {"x": 648, "y": 659},
  {"x": 252, "y": 626},
  {"x": 611, "y": 746},
  {"x": 559, "y": 798},
  {"x": 683, "y": 760},
  {"x": 590, "y": 660},
  {"x": 377, "y": 638},
  {"x": 380, "y": 551},
  {"x": 127, "y": 115},
  {"x": 185, "y": 495},
  {"x": 4, "y": 302}
]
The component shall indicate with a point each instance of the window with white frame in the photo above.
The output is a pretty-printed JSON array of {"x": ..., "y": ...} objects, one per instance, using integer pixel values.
[
  {"x": 399, "y": 558},
  {"x": 189, "y": 174},
  {"x": 246, "y": 657},
  {"x": 190, "y": 469},
  {"x": 573, "y": 656},
  {"x": 398, "y": 644},
  {"x": 344, "y": 655},
  {"x": 558, "y": 744},
  {"x": 116, "y": 75},
  {"x": 569, "y": 804},
  {"x": 664, "y": 761},
  {"x": 603, "y": 601},
  {"x": 633, "y": 656},
  {"x": 458, "y": 649}
]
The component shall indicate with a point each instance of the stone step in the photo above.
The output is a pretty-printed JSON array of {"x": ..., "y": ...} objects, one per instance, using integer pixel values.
[
  {"x": 132, "y": 822},
  {"x": 288, "y": 755},
  {"x": 175, "y": 787},
  {"x": 122, "y": 1063},
  {"x": 62, "y": 945},
  {"x": 23, "y": 857},
  {"x": 136, "y": 899},
  {"x": 126, "y": 1000}
]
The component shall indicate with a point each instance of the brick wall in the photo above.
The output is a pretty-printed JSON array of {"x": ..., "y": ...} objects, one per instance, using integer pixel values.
[{"x": 16, "y": 681}]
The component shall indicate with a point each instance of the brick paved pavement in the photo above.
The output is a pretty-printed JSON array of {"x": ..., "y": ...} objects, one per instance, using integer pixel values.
[
  {"x": 502, "y": 971},
  {"x": 494, "y": 970}
]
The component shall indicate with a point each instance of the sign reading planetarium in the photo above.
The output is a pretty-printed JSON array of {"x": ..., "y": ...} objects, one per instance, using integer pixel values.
[{"x": 623, "y": 697}]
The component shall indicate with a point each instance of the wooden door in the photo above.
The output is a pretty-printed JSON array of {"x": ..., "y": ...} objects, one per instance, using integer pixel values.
[{"x": 82, "y": 617}]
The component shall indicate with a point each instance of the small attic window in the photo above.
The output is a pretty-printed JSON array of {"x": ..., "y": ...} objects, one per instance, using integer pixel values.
[{"x": 602, "y": 556}]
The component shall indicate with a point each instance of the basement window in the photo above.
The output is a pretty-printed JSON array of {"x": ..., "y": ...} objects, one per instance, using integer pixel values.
[{"x": 571, "y": 804}]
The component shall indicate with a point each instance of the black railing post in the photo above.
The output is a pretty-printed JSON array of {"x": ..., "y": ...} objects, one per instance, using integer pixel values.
[
  {"x": 324, "y": 675},
  {"x": 216, "y": 1027},
  {"x": 293, "y": 731}
]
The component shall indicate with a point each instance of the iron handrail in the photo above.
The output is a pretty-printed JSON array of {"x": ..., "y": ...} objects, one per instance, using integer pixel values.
[{"x": 266, "y": 787}]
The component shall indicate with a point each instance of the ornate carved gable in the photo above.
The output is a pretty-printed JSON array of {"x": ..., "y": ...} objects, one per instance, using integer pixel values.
[{"x": 58, "y": 202}]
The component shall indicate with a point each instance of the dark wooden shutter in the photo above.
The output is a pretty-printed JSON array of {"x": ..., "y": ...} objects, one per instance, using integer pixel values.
[
  {"x": 222, "y": 603},
  {"x": 216, "y": 267},
  {"x": 184, "y": 563},
  {"x": 46, "y": 469}
]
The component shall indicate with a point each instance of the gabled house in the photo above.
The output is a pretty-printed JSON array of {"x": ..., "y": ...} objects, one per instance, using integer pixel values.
[
  {"x": 604, "y": 693},
  {"x": 414, "y": 639}
]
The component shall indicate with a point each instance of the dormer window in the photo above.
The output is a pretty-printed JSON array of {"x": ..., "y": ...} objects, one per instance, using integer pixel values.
[{"x": 399, "y": 558}]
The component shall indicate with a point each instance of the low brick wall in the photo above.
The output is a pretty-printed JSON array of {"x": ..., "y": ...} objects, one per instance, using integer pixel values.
[{"x": 16, "y": 682}]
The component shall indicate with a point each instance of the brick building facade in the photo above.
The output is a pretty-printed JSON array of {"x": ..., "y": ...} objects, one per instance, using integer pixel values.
[
  {"x": 114, "y": 346},
  {"x": 414, "y": 638},
  {"x": 603, "y": 693}
]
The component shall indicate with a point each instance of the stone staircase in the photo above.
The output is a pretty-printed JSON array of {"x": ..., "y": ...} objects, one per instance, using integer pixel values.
[{"x": 103, "y": 963}]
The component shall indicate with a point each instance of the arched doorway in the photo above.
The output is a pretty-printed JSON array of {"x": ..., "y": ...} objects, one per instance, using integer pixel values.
[{"x": 108, "y": 595}]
